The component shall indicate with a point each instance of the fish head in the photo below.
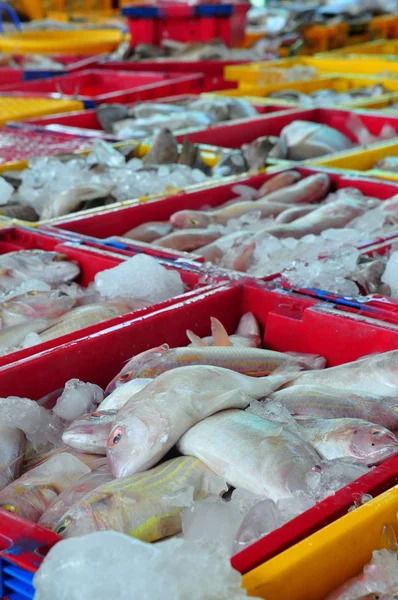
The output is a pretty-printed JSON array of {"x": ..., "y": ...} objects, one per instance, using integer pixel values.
[
  {"x": 372, "y": 443},
  {"x": 80, "y": 520},
  {"x": 144, "y": 365},
  {"x": 89, "y": 433},
  {"x": 190, "y": 219},
  {"x": 27, "y": 501}
]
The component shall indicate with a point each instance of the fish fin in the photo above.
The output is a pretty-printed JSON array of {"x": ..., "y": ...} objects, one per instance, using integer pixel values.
[
  {"x": 195, "y": 339},
  {"x": 220, "y": 335},
  {"x": 249, "y": 327},
  {"x": 231, "y": 399},
  {"x": 241, "y": 262}
]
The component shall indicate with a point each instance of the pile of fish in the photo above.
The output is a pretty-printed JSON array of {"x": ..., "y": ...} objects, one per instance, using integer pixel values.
[
  {"x": 230, "y": 445},
  {"x": 144, "y": 120},
  {"x": 329, "y": 96},
  {"x": 291, "y": 225},
  {"x": 33, "y": 62},
  {"x": 40, "y": 301},
  {"x": 59, "y": 185}
]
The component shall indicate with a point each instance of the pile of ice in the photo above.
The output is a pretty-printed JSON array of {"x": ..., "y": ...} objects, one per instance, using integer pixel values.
[
  {"x": 47, "y": 177},
  {"x": 107, "y": 565},
  {"x": 139, "y": 277},
  {"x": 78, "y": 398}
]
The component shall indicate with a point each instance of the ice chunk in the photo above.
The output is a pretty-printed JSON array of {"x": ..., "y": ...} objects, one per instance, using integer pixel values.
[
  {"x": 332, "y": 476},
  {"x": 78, "y": 398},
  {"x": 103, "y": 153},
  {"x": 107, "y": 564},
  {"x": 6, "y": 191},
  {"x": 263, "y": 518},
  {"x": 31, "y": 340},
  {"x": 276, "y": 412},
  {"x": 39, "y": 425},
  {"x": 390, "y": 275},
  {"x": 140, "y": 277}
]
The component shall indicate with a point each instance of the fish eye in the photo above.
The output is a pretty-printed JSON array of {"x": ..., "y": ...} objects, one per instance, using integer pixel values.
[
  {"x": 116, "y": 437},
  {"x": 11, "y": 508},
  {"x": 126, "y": 376},
  {"x": 63, "y": 526},
  {"x": 376, "y": 432},
  {"x": 195, "y": 222},
  {"x": 96, "y": 415}
]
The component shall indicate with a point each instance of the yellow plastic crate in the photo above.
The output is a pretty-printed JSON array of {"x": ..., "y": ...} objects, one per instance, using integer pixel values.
[
  {"x": 93, "y": 41},
  {"x": 19, "y": 109},
  {"x": 376, "y": 47},
  {"x": 248, "y": 72},
  {"x": 362, "y": 161},
  {"x": 38, "y": 9},
  {"x": 313, "y": 568}
]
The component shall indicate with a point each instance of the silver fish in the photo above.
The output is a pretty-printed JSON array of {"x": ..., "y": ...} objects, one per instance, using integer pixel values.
[{"x": 90, "y": 433}]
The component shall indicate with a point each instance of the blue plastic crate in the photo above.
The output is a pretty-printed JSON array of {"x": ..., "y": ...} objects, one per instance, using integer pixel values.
[{"x": 15, "y": 583}]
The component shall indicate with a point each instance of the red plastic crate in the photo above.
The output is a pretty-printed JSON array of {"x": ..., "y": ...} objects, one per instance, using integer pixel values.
[
  {"x": 286, "y": 319},
  {"x": 9, "y": 75},
  {"x": 18, "y": 144},
  {"x": 95, "y": 86},
  {"x": 85, "y": 122},
  {"x": 91, "y": 261},
  {"x": 233, "y": 135}
]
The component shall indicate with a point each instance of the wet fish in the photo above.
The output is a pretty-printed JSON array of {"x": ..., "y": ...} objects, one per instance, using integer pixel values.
[
  {"x": 51, "y": 267},
  {"x": 30, "y": 495},
  {"x": 73, "y": 495},
  {"x": 90, "y": 433},
  {"x": 34, "y": 305},
  {"x": 12, "y": 448},
  {"x": 278, "y": 182},
  {"x": 258, "y": 152},
  {"x": 108, "y": 114},
  {"x": 164, "y": 150},
  {"x": 247, "y": 334},
  {"x": 375, "y": 374},
  {"x": 305, "y": 139},
  {"x": 145, "y": 110},
  {"x": 366, "y": 442},
  {"x": 69, "y": 200},
  {"x": 249, "y": 361},
  {"x": 12, "y": 337},
  {"x": 84, "y": 316},
  {"x": 188, "y": 240},
  {"x": 310, "y": 189},
  {"x": 231, "y": 162},
  {"x": 334, "y": 403},
  {"x": 149, "y": 232},
  {"x": 252, "y": 453},
  {"x": 118, "y": 398},
  {"x": 155, "y": 418},
  {"x": 295, "y": 212},
  {"x": 146, "y": 506}
]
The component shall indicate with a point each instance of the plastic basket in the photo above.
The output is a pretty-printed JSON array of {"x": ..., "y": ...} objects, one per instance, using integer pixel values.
[
  {"x": 93, "y": 41},
  {"x": 20, "y": 145},
  {"x": 18, "y": 109},
  {"x": 363, "y": 161},
  {"x": 336, "y": 553},
  {"x": 286, "y": 320},
  {"x": 96, "y": 86}
]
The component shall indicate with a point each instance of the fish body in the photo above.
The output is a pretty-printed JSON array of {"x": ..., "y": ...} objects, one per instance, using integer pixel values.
[
  {"x": 12, "y": 448},
  {"x": 249, "y": 361},
  {"x": 13, "y": 336},
  {"x": 335, "y": 403},
  {"x": 310, "y": 189},
  {"x": 69, "y": 200},
  {"x": 155, "y": 418},
  {"x": 366, "y": 442},
  {"x": 278, "y": 182},
  {"x": 188, "y": 239},
  {"x": 73, "y": 495},
  {"x": 295, "y": 212},
  {"x": 251, "y": 453},
  {"x": 146, "y": 506},
  {"x": 149, "y": 232},
  {"x": 30, "y": 495},
  {"x": 90, "y": 433},
  {"x": 305, "y": 139},
  {"x": 51, "y": 267},
  {"x": 120, "y": 395},
  {"x": 35, "y": 305}
]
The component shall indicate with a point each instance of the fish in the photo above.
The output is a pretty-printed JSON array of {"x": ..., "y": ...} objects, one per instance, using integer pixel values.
[
  {"x": 146, "y": 506},
  {"x": 330, "y": 402},
  {"x": 108, "y": 114},
  {"x": 368, "y": 277},
  {"x": 118, "y": 398},
  {"x": 164, "y": 149},
  {"x": 231, "y": 162},
  {"x": 305, "y": 139},
  {"x": 367, "y": 443},
  {"x": 248, "y": 361},
  {"x": 374, "y": 374},
  {"x": 145, "y": 110},
  {"x": 73, "y": 495},
  {"x": 90, "y": 433},
  {"x": 19, "y": 211},
  {"x": 51, "y": 267},
  {"x": 252, "y": 453},
  {"x": 35, "y": 305},
  {"x": 84, "y": 316},
  {"x": 188, "y": 240},
  {"x": 333, "y": 215},
  {"x": 34, "y": 459},
  {"x": 248, "y": 334},
  {"x": 305, "y": 191},
  {"x": 70, "y": 199},
  {"x": 30, "y": 495},
  {"x": 12, "y": 449},
  {"x": 295, "y": 212},
  {"x": 257, "y": 153},
  {"x": 12, "y": 337},
  {"x": 190, "y": 219},
  {"x": 155, "y": 418},
  {"x": 278, "y": 182},
  {"x": 149, "y": 232}
]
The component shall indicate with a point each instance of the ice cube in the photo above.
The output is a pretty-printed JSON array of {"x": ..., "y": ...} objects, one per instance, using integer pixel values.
[
  {"x": 39, "y": 425},
  {"x": 263, "y": 518},
  {"x": 6, "y": 191},
  {"x": 141, "y": 277},
  {"x": 390, "y": 275},
  {"x": 276, "y": 412},
  {"x": 31, "y": 340},
  {"x": 332, "y": 476},
  {"x": 103, "y": 153},
  {"x": 78, "y": 398},
  {"x": 108, "y": 564}
]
